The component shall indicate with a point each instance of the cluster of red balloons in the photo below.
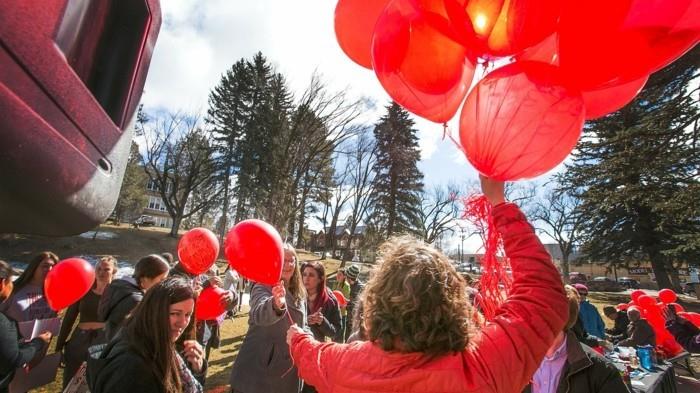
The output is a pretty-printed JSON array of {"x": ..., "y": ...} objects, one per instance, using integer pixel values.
[
  {"x": 570, "y": 61},
  {"x": 651, "y": 310}
]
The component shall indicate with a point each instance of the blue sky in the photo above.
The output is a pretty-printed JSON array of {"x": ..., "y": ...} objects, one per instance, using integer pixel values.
[{"x": 200, "y": 40}]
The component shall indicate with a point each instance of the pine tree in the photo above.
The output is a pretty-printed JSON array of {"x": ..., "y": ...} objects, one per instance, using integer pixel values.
[
  {"x": 638, "y": 172},
  {"x": 398, "y": 182}
]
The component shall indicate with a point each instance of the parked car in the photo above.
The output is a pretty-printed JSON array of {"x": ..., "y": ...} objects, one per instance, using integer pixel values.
[
  {"x": 604, "y": 284},
  {"x": 145, "y": 221},
  {"x": 689, "y": 288},
  {"x": 629, "y": 283}
]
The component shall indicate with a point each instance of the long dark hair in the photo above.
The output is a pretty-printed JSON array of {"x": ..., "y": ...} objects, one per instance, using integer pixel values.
[
  {"x": 148, "y": 330},
  {"x": 5, "y": 273},
  {"x": 150, "y": 266},
  {"x": 321, "y": 292},
  {"x": 28, "y": 273}
]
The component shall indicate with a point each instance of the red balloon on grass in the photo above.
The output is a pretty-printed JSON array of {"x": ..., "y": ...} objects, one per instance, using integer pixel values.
[
  {"x": 418, "y": 60},
  {"x": 254, "y": 249},
  {"x": 68, "y": 282},
  {"x": 197, "y": 250},
  {"x": 520, "y": 121},
  {"x": 342, "y": 301},
  {"x": 602, "y": 42},
  {"x": 209, "y": 304},
  {"x": 354, "y": 26},
  {"x": 667, "y": 295}
]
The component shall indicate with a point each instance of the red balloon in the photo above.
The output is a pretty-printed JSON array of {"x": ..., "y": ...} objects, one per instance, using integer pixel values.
[
  {"x": 342, "y": 301},
  {"x": 622, "y": 307},
  {"x": 520, "y": 122},
  {"x": 209, "y": 304},
  {"x": 598, "y": 102},
  {"x": 254, "y": 249},
  {"x": 693, "y": 317},
  {"x": 636, "y": 294},
  {"x": 418, "y": 61},
  {"x": 602, "y": 42},
  {"x": 68, "y": 282},
  {"x": 197, "y": 250},
  {"x": 667, "y": 295},
  {"x": 494, "y": 28},
  {"x": 646, "y": 302},
  {"x": 354, "y": 25},
  {"x": 609, "y": 99}
]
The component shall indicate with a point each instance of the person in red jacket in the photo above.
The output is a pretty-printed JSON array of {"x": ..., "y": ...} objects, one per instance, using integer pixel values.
[{"x": 417, "y": 318}]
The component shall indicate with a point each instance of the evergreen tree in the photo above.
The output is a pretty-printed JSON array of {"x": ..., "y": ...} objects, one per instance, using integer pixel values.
[
  {"x": 398, "y": 182},
  {"x": 132, "y": 196},
  {"x": 638, "y": 172}
]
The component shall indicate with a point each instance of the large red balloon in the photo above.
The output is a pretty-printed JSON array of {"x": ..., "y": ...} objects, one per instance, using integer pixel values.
[
  {"x": 520, "y": 122},
  {"x": 494, "y": 28},
  {"x": 603, "y": 42},
  {"x": 646, "y": 302},
  {"x": 209, "y": 304},
  {"x": 354, "y": 26},
  {"x": 254, "y": 249},
  {"x": 693, "y": 317},
  {"x": 197, "y": 250},
  {"x": 418, "y": 61},
  {"x": 68, "y": 282},
  {"x": 598, "y": 102},
  {"x": 667, "y": 295}
]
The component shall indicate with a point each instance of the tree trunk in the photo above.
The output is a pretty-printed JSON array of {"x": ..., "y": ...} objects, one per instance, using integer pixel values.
[
  {"x": 176, "y": 226},
  {"x": 675, "y": 281},
  {"x": 658, "y": 265},
  {"x": 302, "y": 219},
  {"x": 565, "y": 267}
]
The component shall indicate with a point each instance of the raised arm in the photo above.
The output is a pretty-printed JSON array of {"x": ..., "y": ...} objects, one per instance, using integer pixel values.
[
  {"x": 511, "y": 347},
  {"x": 263, "y": 310}
]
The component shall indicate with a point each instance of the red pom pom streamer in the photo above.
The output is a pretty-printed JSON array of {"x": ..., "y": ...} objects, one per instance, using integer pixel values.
[{"x": 495, "y": 283}]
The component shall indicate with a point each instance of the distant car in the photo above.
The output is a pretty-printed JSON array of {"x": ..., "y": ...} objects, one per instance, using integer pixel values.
[
  {"x": 689, "y": 288},
  {"x": 145, "y": 221},
  {"x": 629, "y": 283},
  {"x": 604, "y": 284}
]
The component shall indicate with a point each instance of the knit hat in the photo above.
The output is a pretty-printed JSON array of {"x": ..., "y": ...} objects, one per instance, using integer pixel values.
[
  {"x": 352, "y": 272},
  {"x": 582, "y": 289}
]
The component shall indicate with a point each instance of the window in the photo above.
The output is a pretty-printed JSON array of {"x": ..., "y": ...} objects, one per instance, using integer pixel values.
[
  {"x": 156, "y": 203},
  {"x": 152, "y": 185}
]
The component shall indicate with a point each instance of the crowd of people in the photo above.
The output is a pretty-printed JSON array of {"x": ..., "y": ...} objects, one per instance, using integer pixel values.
[{"x": 411, "y": 327}]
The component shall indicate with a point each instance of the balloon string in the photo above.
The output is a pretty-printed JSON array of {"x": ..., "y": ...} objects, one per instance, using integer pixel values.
[
  {"x": 446, "y": 133},
  {"x": 291, "y": 322}
]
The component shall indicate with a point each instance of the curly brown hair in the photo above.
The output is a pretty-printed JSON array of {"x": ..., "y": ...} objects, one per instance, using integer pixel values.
[{"x": 416, "y": 301}]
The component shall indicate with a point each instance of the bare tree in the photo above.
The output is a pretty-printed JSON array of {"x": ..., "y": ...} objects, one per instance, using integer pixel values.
[
  {"x": 361, "y": 160},
  {"x": 557, "y": 214},
  {"x": 438, "y": 212},
  {"x": 179, "y": 160}
]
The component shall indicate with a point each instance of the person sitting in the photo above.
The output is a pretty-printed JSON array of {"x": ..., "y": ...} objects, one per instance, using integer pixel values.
[
  {"x": 619, "y": 331},
  {"x": 685, "y": 333},
  {"x": 14, "y": 352},
  {"x": 570, "y": 366},
  {"x": 123, "y": 295},
  {"x": 417, "y": 319},
  {"x": 639, "y": 331},
  {"x": 592, "y": 322},
  {"x": 143, "y": 356}
]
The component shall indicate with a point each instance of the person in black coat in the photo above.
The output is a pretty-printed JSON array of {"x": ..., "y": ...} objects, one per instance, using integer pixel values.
[
  {"x": 13, "y": 353},
  {"x": 123, "y": 295},
  {"x": 574, "y": 367},
  {"x": 619, "y": 331},
  {"x": 685, "y": 333},
  {"x": 143, "y": 356}
]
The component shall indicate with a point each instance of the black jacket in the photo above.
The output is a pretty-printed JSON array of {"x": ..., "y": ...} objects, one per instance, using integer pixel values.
[
  {"x": 619, "y": 331},
  {"x": 687, "y": 334},
  {"x": 330, "y": 327},
  {"x": 118, "y": 301},
  {"x": 118, "y": 369},
  {"x": 585, "y": 371},
  {"x": 639, "y": 333},
  {"x": 14, "y": 354}
]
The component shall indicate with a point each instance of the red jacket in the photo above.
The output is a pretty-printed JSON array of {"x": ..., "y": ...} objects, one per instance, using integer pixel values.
[{"x": 501, "y": 358}]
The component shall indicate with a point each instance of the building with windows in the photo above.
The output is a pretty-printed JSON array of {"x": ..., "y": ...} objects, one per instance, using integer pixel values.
[{"x": 155, "y": 206}]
